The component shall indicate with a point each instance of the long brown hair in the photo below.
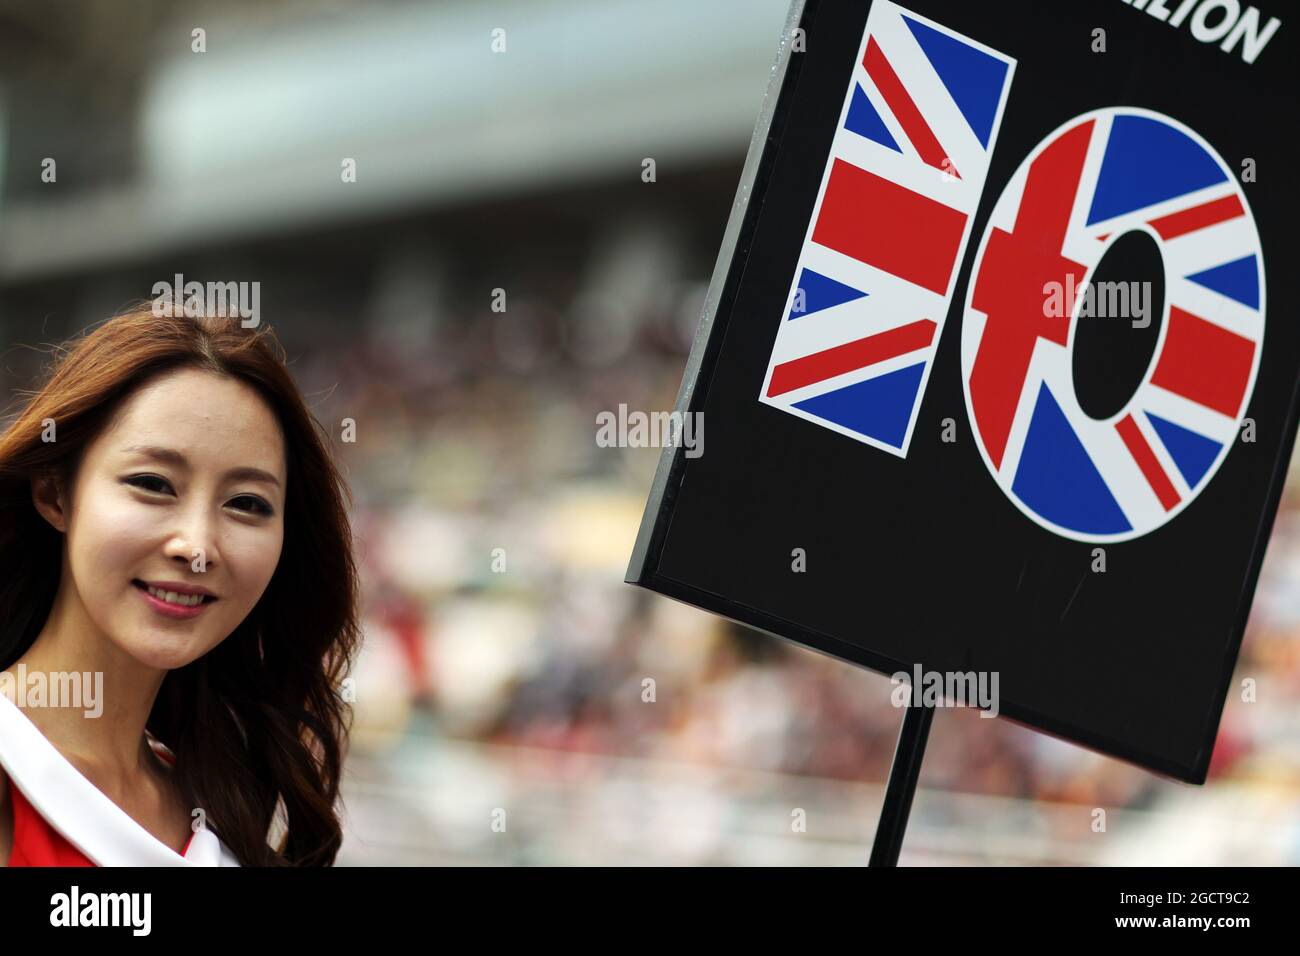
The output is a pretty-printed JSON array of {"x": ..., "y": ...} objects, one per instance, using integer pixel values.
[{"x": 257, "y": 720}]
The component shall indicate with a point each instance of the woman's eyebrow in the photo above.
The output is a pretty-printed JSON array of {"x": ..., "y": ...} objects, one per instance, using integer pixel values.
[{"x": 172, "y": 457}]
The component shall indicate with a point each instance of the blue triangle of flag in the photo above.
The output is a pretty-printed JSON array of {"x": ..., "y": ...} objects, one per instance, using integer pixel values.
[
  {"x": 1237, "y": 280},
  {"x": 879, "y": 408},
  {"x": 865, "y": 121},
  {"x": 972, "y": 77},
  {"x": 1147, "y": 162},
  {"x": 1057, "y": 478},
  {"x": 1192, "y": 453},
  {"x": 820, "y": 292}
]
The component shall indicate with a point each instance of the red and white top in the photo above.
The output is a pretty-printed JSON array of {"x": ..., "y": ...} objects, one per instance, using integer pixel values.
[{"x": 62, "y": 819}]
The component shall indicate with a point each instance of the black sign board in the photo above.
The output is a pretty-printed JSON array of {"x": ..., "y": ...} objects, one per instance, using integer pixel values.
[{"x": 990, "y": 373}]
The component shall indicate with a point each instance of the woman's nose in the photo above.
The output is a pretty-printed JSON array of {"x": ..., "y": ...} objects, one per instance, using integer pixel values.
[{"x": 194, "y": 545}]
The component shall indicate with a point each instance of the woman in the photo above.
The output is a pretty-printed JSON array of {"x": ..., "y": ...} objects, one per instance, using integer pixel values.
[{"x": 175, "y": 553}]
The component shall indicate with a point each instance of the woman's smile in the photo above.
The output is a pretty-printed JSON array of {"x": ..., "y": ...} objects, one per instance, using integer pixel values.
[{"x": 172, "y": 600}]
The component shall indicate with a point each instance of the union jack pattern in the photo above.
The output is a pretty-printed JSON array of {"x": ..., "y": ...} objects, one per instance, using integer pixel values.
[{"x": 874, "y": 279}]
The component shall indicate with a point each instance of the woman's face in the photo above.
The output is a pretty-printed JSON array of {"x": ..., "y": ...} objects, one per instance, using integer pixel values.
[{"x": 184, "y": 490}]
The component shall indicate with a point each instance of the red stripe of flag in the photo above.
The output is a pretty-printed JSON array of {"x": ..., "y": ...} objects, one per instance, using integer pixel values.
[
  {"x": 1198, "y": 217},
  {"x": 1147, "y": 461},
  {"x": 904, "y": 109},
  {"x": 850, "y": 356},
  {"x": 1204, "y": 362},
  {"x": 890, "y": 227}
]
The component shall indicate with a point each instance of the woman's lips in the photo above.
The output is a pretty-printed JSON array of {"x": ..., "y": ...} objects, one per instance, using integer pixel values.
[{"x": 168, "y": 609}]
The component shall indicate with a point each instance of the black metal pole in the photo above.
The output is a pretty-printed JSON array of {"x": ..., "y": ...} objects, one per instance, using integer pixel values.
[{"x": 902, "y": 784}]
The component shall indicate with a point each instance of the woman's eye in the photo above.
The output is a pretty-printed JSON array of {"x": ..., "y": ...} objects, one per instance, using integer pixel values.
[
  {"x": 159, "y": 485},
  {"x": 150, "y": 483},
  {"x": 251, "y": 503}
]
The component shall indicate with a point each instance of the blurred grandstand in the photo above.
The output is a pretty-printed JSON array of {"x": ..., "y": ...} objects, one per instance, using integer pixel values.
[{"x": 504, "y": 659}]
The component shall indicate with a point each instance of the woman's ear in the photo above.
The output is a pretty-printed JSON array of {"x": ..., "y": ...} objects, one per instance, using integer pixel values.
[{"x": 50, "y": 502}]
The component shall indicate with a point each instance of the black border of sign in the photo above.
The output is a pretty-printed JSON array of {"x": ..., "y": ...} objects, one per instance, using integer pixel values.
[{"x": 727, "y": 272}]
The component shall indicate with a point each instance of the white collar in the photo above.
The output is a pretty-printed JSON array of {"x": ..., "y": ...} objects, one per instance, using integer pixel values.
[{"x": 81, "y": 812}]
